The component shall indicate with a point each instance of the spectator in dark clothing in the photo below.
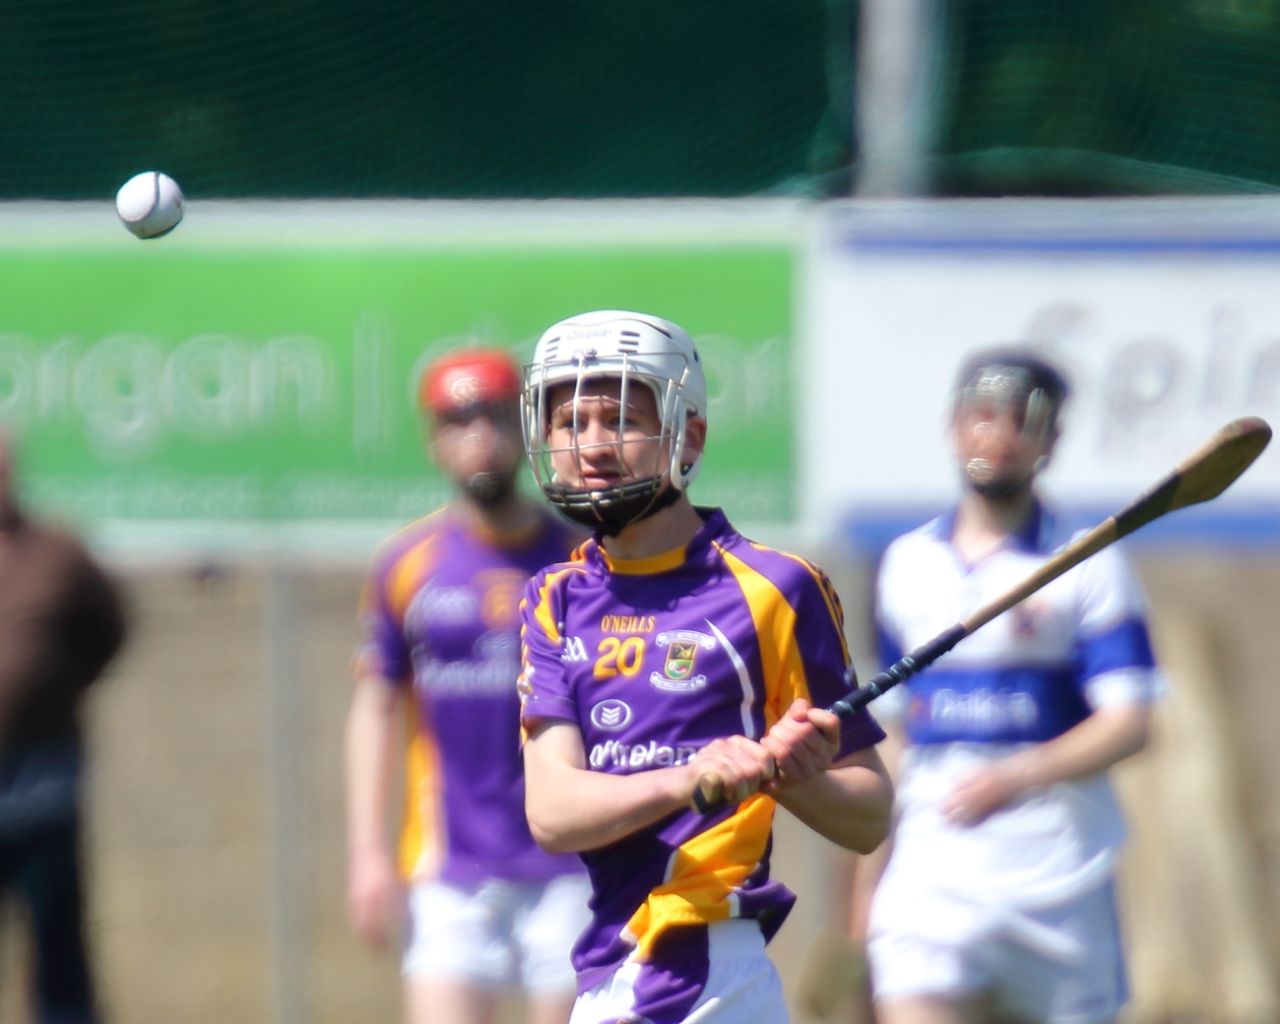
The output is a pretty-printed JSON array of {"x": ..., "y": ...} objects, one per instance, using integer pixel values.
[{"x": 61, "y": 622}]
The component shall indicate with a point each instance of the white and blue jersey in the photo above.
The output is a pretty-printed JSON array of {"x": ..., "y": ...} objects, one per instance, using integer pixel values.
[
  {"x": 1026, "y": 677},
  {"x": 1034, "y": 672}
]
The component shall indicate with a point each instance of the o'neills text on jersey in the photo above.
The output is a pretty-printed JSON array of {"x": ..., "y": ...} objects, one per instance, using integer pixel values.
[{"x": 627, "y": 624}]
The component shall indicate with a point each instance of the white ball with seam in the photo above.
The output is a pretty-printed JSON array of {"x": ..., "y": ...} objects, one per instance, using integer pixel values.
[{"x": 150, "y": 204}]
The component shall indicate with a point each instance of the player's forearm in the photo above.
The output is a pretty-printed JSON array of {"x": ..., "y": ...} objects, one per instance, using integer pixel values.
[
  {"x": 850, "y": 805},
  {"x": 574, "y": 809},
  {"x": 370, "y": 734},
  {"x": 1105, "y": 738},
  {"x": 571, "y": 808}
]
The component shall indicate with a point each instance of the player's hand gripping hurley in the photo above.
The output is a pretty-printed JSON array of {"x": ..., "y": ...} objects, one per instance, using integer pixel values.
[{"x": 1201, "y": 477}]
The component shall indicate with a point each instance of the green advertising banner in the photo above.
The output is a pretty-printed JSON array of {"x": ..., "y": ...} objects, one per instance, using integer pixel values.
[{"x": 153, "y": 382}]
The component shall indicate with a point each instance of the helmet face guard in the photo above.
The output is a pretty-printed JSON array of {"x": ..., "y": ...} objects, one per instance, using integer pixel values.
[
  {"x": 1026, "y": 389},
  {"x": 1013, "y": 389},
  {"x": 635, "y": 350}
]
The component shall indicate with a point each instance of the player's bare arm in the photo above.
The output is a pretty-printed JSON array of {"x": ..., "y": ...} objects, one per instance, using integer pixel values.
[
  {"x": 849, "y": 801},
  {"x": 571, "y": 808},
  {"x": 1105, "y": 738},
  {"x": 373, "y": 885}
]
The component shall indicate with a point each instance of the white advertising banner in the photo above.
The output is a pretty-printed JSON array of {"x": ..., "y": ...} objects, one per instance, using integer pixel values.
[{"x": 1164, "y": 313}]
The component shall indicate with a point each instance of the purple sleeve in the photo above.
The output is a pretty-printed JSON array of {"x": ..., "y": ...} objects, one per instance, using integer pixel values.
[
  {"x": 544, "y": 685},
  {"x": 383, "y": 652},
  {"x": 820, "y": 639}
]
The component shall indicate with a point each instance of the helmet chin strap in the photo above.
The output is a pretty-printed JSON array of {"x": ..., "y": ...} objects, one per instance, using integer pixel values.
[{"x": 611, "y": 511}]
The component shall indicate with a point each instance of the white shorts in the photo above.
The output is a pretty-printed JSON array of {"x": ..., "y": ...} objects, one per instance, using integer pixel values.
[
  {"x": 1060, "y": 964},
  {"x": 741, "y": 987},
  {"x": 497, "y": 933}
]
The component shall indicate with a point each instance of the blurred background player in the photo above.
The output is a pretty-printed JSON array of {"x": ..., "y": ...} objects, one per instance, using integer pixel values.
[
  {"x": 668, "y": 649},
  {"x": 61, "y": 623},
  {"x": 486, "y": 906},
  {"x": 998, "y": 902}
]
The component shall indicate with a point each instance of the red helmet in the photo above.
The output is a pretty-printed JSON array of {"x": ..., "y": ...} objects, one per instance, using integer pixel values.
[{"x": 469, "y": 376}]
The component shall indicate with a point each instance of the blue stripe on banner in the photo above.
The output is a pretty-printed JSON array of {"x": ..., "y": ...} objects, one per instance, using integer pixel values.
[
  {"x": 1239, "y": 527},
  {"x": 1127, "y": 645},
  {"x": 1087, "y": 245}
]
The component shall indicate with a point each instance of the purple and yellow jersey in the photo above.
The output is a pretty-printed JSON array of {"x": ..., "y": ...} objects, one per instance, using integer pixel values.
[
  {"x": 440, "y": 614},
  {"x": 651, "y": 660}
]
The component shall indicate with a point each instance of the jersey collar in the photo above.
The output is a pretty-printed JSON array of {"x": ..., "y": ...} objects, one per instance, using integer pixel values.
[
  {"x": 1032, "y": 537},
  {"x": 698, "y": 551}
]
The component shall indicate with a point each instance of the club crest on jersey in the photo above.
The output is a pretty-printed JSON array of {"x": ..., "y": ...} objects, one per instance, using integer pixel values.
[
  {"x": 678, "y": 675},
  {"x": 1028, "y": 616},
  {"x": 679, "y": 663}
]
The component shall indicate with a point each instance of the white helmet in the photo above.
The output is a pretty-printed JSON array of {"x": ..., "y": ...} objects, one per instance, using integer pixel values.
[{"x": 629, "y": 347}]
